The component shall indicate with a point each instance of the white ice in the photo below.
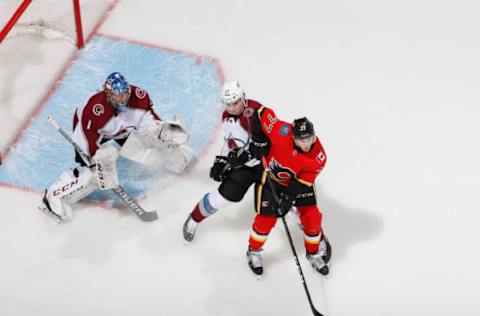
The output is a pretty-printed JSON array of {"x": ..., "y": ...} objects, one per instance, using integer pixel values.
[{"x": 393, "y": 90}]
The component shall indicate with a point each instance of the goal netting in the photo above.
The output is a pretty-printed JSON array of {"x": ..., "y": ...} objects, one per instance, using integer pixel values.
[{"x": 54, "y": 19}]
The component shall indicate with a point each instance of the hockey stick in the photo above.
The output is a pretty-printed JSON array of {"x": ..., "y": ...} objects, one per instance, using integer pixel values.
[
  {"x": 122, "y": 194},
  {"x": 277, "y": 200},
  {"x": 228, "y": 166}
]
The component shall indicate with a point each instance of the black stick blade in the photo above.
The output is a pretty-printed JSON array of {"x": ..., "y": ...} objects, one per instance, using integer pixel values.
[{"x": 315, "y": 312}]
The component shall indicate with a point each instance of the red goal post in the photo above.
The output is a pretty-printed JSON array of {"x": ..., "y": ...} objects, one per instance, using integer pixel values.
[{"x": 49, "y": 18}]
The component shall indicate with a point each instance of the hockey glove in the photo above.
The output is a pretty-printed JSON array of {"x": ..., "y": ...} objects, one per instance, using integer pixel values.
[
  {"x": 286, "y": 203},
  {"x": 258, "y": 149},
  {"x": 237, "y": 157},
  {"x": 219, "y": 168}
]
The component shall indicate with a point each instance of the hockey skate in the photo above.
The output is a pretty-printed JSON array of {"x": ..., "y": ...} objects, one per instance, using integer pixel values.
[
  {"x": 325, "y": 249},
  {"x": 45, "y": 208},
  {"x": 189, "y": 229},
  {"x": 320, "y": 260},
  {"x": 255, "y": 261}
]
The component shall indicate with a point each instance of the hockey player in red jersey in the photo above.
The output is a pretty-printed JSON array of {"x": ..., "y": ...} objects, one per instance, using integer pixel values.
[
  {"x": 238, "y": 166},
  {"x": 295, "y": 159},
  {"x": 120, "y": 115}
]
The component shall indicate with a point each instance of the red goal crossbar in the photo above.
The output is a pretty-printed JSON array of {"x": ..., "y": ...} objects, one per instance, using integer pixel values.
[{"x": 21, "y": 9}]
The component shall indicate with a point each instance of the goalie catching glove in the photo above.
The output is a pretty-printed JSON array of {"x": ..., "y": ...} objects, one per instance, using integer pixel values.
[
  {"x": 160, "y": 145},
  {"x": 171, "y": 131}
]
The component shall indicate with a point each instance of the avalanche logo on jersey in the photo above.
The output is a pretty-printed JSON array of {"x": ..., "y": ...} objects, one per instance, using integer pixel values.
[
  {"x": 140, "y": 93},
  {"x": 279, "y": 173},
  {"x": 98, "y": 109}
]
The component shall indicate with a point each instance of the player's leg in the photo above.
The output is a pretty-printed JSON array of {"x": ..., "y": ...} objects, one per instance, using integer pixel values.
[
  {"x": 263, "y": 223},
  {"x": 231, "y": 190},
  {"x": 317, "y": 247}
]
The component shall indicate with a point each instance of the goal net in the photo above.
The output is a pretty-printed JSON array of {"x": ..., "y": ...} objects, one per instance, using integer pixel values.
[{"x": 54, "y": 19}]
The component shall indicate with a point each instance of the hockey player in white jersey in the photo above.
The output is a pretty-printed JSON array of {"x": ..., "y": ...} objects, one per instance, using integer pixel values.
[
  {"x": 119, "y": 120},
  {"x": 238, "y": 166}
]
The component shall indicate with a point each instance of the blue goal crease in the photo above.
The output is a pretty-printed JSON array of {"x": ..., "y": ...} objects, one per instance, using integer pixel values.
[{"x": 176, "y": 82}]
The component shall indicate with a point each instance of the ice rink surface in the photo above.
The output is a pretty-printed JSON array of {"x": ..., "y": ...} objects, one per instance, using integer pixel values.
[{"x": 393, "y": 90}]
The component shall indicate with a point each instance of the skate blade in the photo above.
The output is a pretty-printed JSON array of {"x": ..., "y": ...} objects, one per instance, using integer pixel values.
[
  {"x": 326, "y": 276},
  {"x": 49, "y": 214},
  {"x": 258, "y": 276}
]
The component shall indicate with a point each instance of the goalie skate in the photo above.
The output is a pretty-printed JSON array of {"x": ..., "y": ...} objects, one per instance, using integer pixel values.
[{"x": 47, "y": 210}]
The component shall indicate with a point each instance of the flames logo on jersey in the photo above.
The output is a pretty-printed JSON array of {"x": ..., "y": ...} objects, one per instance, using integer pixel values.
[
  {"x": 98, "y": 109},
  {"x": 280, "y": 173},
  {"x": 140, "y": 93}
]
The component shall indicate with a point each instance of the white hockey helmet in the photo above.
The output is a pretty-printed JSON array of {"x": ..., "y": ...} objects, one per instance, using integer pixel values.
[{"x": 232, "y": 92}]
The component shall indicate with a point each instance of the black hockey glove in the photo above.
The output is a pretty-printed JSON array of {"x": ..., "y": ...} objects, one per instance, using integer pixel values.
[
  {"x": 237, "y": 157},
  {"x": 259, "y": 149},
  {"x": 286, "y": 203},
  {"x": 218, "y": 170}
]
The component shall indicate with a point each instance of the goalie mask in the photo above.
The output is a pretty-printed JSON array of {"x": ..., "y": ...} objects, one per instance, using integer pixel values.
[{"x": 118, "y": 91}]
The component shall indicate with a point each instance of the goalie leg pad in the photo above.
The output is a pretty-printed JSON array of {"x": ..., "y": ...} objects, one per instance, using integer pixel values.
[
  {"x": 69, "y": 188},
  {"x": 106, "y": 158}
]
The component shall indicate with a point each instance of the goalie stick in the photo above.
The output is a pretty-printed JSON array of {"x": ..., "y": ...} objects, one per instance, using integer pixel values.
[
  {"x": 277, "y": 200},
  {"x": 119, "y": 191}
]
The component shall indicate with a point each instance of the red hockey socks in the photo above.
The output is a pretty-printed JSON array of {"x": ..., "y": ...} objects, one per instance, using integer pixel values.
[
  {"x": 261, "y": 227},
  {"x": 312, "y": 226}
]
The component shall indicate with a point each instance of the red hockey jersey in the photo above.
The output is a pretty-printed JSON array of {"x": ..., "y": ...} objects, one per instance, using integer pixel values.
[{"x": 285, "y": 161}]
